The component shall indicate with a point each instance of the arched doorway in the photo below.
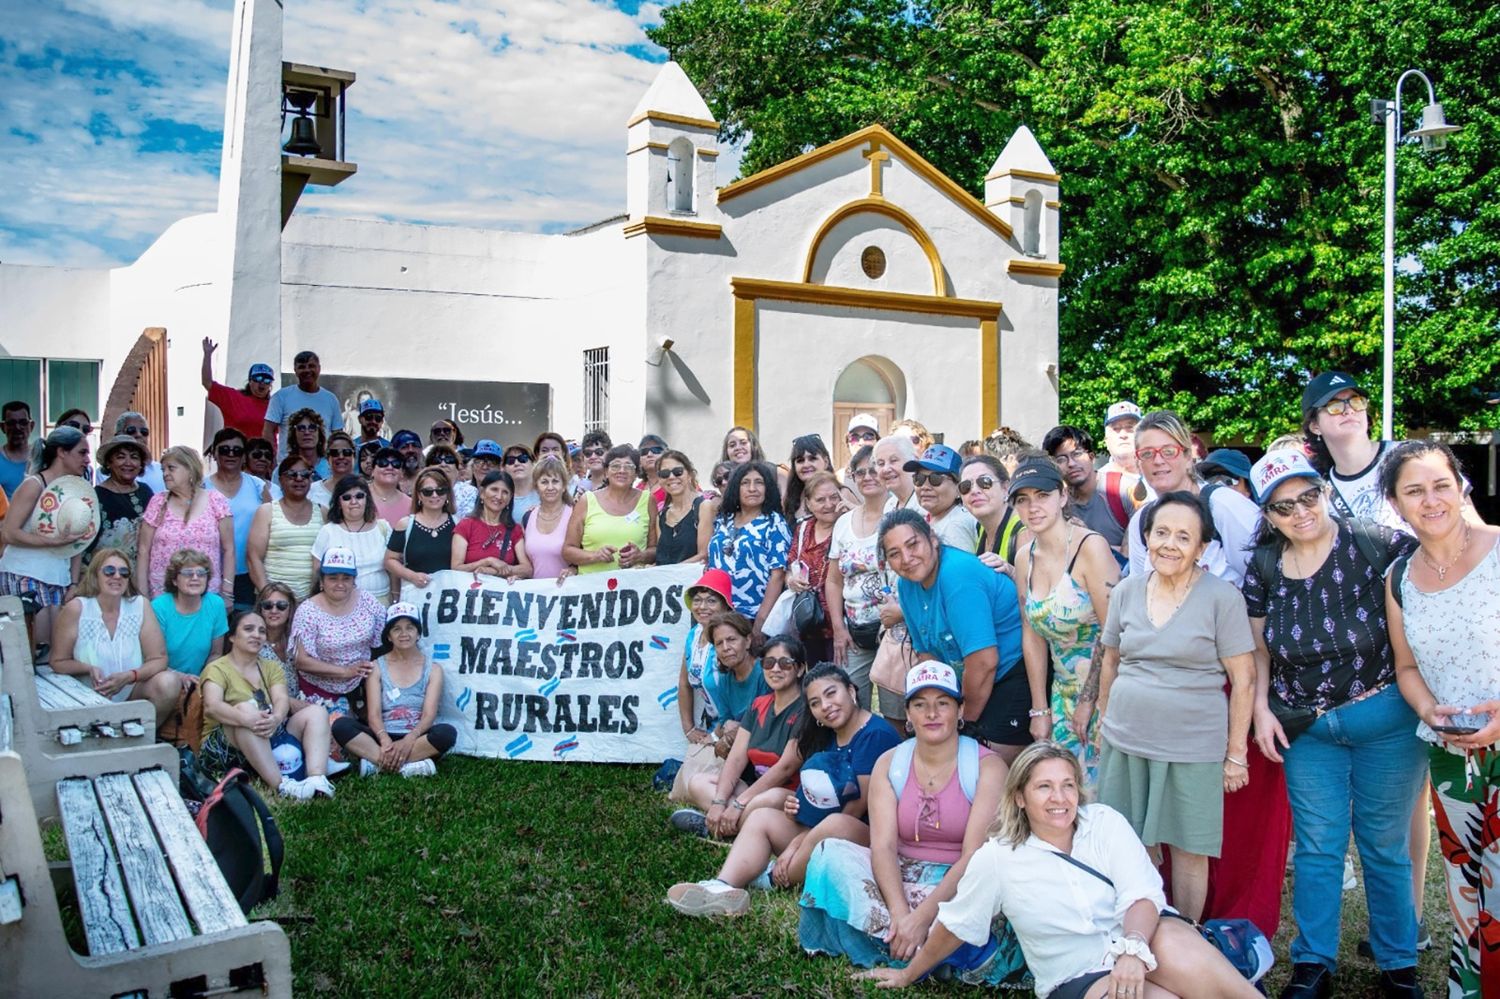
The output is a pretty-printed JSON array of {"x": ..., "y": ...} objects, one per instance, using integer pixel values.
[{"x": 869, "y": 385}]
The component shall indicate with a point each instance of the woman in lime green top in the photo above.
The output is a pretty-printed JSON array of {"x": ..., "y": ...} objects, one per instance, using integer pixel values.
[{"x": 613, "y": 527}]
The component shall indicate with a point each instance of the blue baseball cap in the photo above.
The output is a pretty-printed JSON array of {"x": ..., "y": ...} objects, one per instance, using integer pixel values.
[
  {"x": 262, "y": 371},
  {"x": 371, "y": 406},
  {"x": 938, "y": 458},
  {"x": 404, "y": 437},
  {"x": 1227, "y": 461},
  {"x": 487, "y": 448}
]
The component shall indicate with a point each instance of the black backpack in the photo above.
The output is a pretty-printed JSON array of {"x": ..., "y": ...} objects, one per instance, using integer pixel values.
[{"x": 240, "y": 831}]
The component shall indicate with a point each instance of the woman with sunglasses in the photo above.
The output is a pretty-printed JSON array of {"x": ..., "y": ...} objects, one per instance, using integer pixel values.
[
  {"x": 423, "y": 540},
  {"x": 935, "y": 476},
  {"x": 308, "y": 439},
  {"x": 489, "y": 541},
  {"x": 613, "y": 527},
  {"x": 341, "y": 462},
  {"x": 748, "y": 538},
  {"x": 123, "y": 498},
  {"x": 650, "y": 449},
  {"x": 809, "y": 457},
  {"x": 352, "y": 524},
  {"x": 982, "y": 482},
  {"x": 260, "y": 459},
  {"x": 192, "y": 619},
  {"x": 518, "y": 465},
  {"x": 276, "y": 603},
  {"x": 243, "y": 408},
  {"x": 132, "y": 424},
  {"x": 484, "y": 459},
  {"x": 718, "y": 478},
  {"x": 677, "y": 520},
  {"x": 282, "y": 535},
  {"x": 391, "y": 504},
  {"x": 858, "y": 585},
  {"x": 245, "y": 494},
  {"x": 109, "y": 638},
  {"x": 1327, "y": 703},
  {"x": 186, "y": 516},
  {"x": 761, "y": 767}
]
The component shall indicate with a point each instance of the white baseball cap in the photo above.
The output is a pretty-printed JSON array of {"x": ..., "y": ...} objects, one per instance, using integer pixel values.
[
  {"x": 932, "y": 675},
  {"x": 864, "y": 421},
  {"x": 1275, "y": 468}
]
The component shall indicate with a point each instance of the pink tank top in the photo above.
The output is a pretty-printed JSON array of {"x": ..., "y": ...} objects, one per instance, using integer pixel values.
[
  {"x": 931, "y": 826},
  {"x": 545, "y": 550}
]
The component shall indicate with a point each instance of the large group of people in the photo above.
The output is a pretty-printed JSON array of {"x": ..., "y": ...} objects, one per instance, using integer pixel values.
[{"x": 1015, "y": 715}]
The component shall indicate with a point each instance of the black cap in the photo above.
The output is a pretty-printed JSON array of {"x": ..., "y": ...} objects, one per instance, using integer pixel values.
[
  {"x": 1325, "y": 387},
  {"x": 1035, "y": 474}
]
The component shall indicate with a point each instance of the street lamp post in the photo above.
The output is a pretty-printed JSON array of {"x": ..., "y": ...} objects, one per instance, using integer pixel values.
[{"x": 1434, "y": 134}]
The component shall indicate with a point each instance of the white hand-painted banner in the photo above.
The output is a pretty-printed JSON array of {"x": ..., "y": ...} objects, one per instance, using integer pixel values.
[{"x": 582, "y": 670}]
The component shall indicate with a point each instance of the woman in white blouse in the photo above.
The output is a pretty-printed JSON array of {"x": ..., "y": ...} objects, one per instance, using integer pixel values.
[{"x": 1047, "y": 853}]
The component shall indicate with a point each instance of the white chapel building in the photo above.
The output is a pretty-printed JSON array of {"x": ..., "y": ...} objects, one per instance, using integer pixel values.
[{"x": 855, "y": 277}]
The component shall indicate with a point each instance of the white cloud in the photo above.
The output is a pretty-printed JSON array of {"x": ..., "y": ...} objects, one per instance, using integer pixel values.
[{"x": 499, "y": 113}]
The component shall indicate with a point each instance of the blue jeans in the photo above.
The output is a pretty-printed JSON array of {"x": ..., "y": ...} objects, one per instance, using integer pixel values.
[{"x": 1361, "y": 765}]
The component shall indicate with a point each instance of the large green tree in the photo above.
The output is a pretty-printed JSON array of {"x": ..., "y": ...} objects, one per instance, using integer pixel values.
[{"x": 1222, "y": 179}]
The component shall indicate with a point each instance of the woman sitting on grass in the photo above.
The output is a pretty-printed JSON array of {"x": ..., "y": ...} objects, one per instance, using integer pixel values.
[
  {"x": 932, "y": 799},
  {"x": 1081, "y": 894},
  {"x": 245, "y": 706},
  {"x": 401, "y": 694},
  {"x": 762, "y": 764},
  {"x": 841, "y": 742}
]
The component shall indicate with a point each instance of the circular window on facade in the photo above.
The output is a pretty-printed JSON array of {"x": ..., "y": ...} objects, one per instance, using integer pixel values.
[{"x": 872, "y": 260}]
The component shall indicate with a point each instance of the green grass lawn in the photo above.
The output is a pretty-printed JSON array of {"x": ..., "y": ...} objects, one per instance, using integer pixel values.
[{"x": 510, "y": 879}]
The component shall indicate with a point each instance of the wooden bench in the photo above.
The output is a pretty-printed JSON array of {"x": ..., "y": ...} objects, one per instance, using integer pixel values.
[
  {"x": 158, "y": 917},
  {"x": 62, "y": 727}
]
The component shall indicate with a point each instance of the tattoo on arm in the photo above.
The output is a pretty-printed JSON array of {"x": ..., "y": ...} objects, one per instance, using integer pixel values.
[{"x": 1090, "y": 690}]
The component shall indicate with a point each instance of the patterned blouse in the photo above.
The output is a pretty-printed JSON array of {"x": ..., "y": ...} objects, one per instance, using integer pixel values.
[
  {"x": 339, "y": 641},
  {"x": 750, "y": 554},
  {"x": 174, "y": 534}
]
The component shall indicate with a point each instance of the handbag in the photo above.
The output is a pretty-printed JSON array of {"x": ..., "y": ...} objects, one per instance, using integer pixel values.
[
  {"x": 894, "y": 658},
  {"x": 1294, "y": 720},
  {"x": 866, "y": 636},
  {"x": 807, "y": 613}
]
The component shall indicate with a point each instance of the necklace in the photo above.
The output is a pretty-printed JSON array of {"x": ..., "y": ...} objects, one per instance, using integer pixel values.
[{"x": 1442, "y": 570}]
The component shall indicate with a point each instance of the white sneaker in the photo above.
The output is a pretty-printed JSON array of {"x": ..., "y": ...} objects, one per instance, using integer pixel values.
[
  {"x": 294, "y": 789},
  {"x": 318, "y": 785},
  {"x": 336, "y": 767},
  {"x": 368, "y": 769},
  {"x": 708, "y": 898},
  {"x": 419, "y": 768}
]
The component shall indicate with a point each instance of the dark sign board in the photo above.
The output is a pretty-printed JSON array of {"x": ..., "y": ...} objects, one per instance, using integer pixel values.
[{"x": 505, "y": 412}]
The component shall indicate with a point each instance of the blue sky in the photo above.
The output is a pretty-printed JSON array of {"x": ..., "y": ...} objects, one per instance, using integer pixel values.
[{"x": 113, "y": 110}]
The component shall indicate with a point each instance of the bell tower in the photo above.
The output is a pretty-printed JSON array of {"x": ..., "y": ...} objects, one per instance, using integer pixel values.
[
  {"x": 1022, "y": 188},
  {"x": 671, "y": 148}
]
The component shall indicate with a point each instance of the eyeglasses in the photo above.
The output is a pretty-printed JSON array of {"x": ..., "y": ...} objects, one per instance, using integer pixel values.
[
  {"x": 1338, "y": 407},
  {"x": 193, "y": 573},
  {"x": 275, "y": 605},
  {"x": 305, "y": 428},
  {"x": 1075, "y": 457},
  {"x": 671, "y": 473},
  {"x": 1308, "y": 499},
  {"x": 985, "y": 482},
  {"x": 653, "y": 449},
  {"x": 229, "y": 451},
  {"x": 1170, "y": 452},
  {"x": 298, "y": 475},
  {"x": 351, "y": 497},
  {"x": 388, "y": 462},
  {"x": 864, "y": 436},
  {"x": 443, "y": 459},
  {"x": 341, "y": 452},
  {"x": 595, "y": 452},
  {"x": 779, "y": 662},
  {"x": 114, "y": 570},
  {"x": 18, "y": 424},
  {"x": 864, "y": 473},
  {"x": 442, "y": 430},
  {"x": 622, "y": 466},
  {"x": 931, "y": 478},
  {"x": 431, "y": 491},
  {"x": 517, "y": 459},
  {"x": 135, "y": 431}
]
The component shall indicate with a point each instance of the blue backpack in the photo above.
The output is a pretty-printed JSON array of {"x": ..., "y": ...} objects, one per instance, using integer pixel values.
[{"x": 968, "y": 766}]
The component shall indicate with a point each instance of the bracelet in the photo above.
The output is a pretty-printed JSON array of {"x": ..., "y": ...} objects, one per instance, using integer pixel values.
[
  {"x": 737, "y": 804},
  {"x": 719, "y": 801},
  {"x": 1239, "y": 763},
  {"x": 1039, "y": 713}
]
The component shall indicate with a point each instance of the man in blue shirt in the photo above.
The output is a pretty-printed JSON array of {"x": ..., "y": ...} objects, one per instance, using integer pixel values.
[
  {"x": 306, "y": 394},
  {"x": 17, "y": 450},
  {"x": 960, "y": 611}
]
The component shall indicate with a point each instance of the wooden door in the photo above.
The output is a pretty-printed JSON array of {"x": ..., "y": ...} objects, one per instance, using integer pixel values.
[{"x": 884, "y": 413}]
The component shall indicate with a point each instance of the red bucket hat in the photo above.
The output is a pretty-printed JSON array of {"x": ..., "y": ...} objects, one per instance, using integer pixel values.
[{"x": 715, "y": 581}]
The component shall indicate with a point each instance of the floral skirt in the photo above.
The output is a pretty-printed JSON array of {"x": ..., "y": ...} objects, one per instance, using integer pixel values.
[
  {"x": 1466, "y": 801},
  {"x": 843, "y": 913}
]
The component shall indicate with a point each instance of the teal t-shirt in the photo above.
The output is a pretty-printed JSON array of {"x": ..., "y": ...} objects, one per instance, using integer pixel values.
[{"x": 190, "y": 636}]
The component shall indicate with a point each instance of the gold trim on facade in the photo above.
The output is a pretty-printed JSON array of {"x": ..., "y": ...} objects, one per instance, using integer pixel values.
[
  {"x": 673, "y": 119},
  {"x": 879, "y": 206},
  {"x": 708, "y": 152},
  {"x": 863, "y": 298},
  {"x": 1050, "y": 178},
  {"x": 905, "y": 153},
  {"x": 655, "y": 225},
  {"x": 989, "y": 375},
  {"x": 1039, "y": 268},
  {"x": 648, "y": 145}
]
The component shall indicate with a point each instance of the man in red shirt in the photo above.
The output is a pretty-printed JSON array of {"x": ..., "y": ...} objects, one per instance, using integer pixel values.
[{"x": 244, "y": 409}]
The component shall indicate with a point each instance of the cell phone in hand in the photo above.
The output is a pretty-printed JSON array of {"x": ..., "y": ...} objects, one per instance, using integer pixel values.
[{"x": 1466, "y": 723}]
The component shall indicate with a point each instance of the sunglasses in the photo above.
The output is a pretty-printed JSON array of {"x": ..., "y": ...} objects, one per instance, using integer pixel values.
[
  {"x": 83, "y": 428},
  {"x": 260, "y": 455},
  {"x": 1338, "y": 407},
  {"x": 431, "y": 491},
  {"x": 443, "y": 431},
  {"x": 275, "y": 605},
  {"x": 135, "y": 431},
  {"x": 193, "y": 573},
  {"x": 517, "y": 459},
  {"x": 229, "y": 451},
  {"x": 671, "y": 473},
  {"x": 985, "y": 482},
  {"x": 262, "y": 379},
  {"x": 1170, "y": 452},
  {"x": 595, "y": 452},
  {"x": 931, "y": 478},
  {"x": 341, "y": 452},
  {"x": 114, "y": 570},
  {"x": 720, "y": 481},
  {"x": 350, "y": 497},
  {"x": 305, "y": 428},
  {"x": 1308, "y": 499},
  {"x": 864, "y": 436},
  {"x": 653, "y": 450},
  {"x": 779, "y": 662},
  {"x": 299, "y": 475},
  {"x": 389, "y": 463},
  {"x": 444, "y": 459}
]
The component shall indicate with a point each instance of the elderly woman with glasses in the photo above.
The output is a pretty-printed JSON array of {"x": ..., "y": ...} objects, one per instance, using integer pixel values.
[
  {"x": 192, "y": 620},
  {"x": 132, "y": 424},
  {"x": 282, "y": 535},
  {"x": 186, "y": 516},
  {"x": 613, "y": 527}
]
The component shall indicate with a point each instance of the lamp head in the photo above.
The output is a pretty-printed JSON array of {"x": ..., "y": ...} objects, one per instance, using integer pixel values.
[{"x": 1435, "y": 128}]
